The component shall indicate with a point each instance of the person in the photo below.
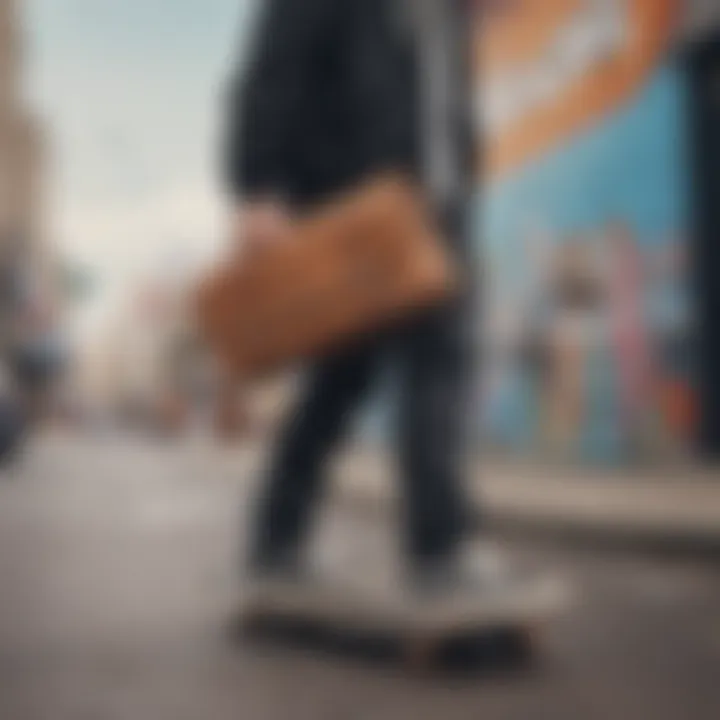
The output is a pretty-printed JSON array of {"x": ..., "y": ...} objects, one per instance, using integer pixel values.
[
  {"x": 630, "y": 339},
  {"x": 33, "y": 349},
  {"x": 333, "y": 92}
]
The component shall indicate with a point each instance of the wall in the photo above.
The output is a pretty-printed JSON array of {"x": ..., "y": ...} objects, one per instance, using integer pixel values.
[{"x": 584, "y": 233}]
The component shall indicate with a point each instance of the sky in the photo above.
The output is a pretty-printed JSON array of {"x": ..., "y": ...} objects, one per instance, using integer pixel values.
[{"x": 131, "y": 94}]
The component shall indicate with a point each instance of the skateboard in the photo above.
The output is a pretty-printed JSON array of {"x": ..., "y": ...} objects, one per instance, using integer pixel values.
[{"x": 422, "y": 631}]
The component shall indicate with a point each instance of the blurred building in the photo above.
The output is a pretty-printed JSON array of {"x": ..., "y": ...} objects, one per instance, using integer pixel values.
[
  {"x": 134, "y": 367},
  {"x": 29, "y": 301},
  {"x": 21, "y": 146}
]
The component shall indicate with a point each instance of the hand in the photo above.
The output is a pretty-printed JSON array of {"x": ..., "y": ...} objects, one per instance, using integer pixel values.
[{"x": 259, "y": 224}]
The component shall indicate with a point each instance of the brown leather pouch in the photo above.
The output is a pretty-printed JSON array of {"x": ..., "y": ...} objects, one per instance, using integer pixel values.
[{"x": 354, "y": 266}]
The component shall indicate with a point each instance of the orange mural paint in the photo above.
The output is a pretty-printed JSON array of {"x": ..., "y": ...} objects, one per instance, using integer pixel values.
[{"x": 551, "y": 68}]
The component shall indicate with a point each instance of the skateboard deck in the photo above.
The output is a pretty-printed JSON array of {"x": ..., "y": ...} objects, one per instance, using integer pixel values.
[{"x": 376, "y": 604}]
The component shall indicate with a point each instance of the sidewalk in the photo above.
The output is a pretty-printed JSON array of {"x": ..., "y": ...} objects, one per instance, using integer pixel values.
[{"x": 665, "y": 509}]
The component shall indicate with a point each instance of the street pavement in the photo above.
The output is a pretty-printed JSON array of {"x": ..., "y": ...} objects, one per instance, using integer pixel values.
[{"x": 118, "y": 582}]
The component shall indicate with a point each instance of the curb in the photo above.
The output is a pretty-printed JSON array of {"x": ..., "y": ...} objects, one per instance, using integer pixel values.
[{"x": 693, "y": 530}]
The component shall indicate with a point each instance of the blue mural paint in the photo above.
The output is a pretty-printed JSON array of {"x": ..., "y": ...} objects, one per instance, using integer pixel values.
[{"x": 605, "y": 217}]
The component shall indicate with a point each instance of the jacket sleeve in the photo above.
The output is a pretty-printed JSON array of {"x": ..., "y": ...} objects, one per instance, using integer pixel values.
[{"x": 268, "y": 91}]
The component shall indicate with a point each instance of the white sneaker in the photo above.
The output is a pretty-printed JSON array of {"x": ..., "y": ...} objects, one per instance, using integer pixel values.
[{"x": 484, "y": 584}]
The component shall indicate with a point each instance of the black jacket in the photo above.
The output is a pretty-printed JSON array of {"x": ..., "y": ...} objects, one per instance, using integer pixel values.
[{"x": 330, "y": 94}]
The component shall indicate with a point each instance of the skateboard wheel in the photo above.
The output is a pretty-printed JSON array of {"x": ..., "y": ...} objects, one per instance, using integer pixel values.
[
  {"x": 525, "y": 642},
  {"x": 250, "y": 618},
  {"x": 420, "y": 654}
]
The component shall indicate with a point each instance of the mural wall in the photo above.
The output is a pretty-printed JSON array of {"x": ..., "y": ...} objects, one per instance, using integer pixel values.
[{"x": 583, "y": 230}]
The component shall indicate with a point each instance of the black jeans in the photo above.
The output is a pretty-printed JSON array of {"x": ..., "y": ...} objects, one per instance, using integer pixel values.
[{"x": 434, "y": 359}]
